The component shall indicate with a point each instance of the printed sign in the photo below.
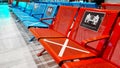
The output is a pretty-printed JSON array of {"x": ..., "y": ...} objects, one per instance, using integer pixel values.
[
  {"x": 36, "y": 6},
  {"x": 49, "y": 10},
  {"x": 92, "y": 20}
]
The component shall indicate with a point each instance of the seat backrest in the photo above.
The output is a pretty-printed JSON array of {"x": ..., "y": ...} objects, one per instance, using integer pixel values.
[
  {"x": 38, "y": 10},
  {"x": 89, "y": 5},
  {"x": 22, "y": 5},
  {"x": 112, "y": 53},
  {"x": 29, "y": 7},
  {"x": 66, "y": 3},
  {"x": 64, "y": 19},
  {"x": 14, "y": 3},
  {"x": 112, "y": 6},
  {"x": 50, "y": 12},
  {"x": 78, "y": 4},
  {"x": 93, "y": 23},
  {"x": 57, "y": 3}
]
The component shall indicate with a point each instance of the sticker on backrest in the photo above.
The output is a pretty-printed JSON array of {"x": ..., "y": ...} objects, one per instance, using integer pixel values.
[
  {"x": 92, "y": 20},
  {"x": 49, "y": 10},
  {"x": 36, "y": 6}
]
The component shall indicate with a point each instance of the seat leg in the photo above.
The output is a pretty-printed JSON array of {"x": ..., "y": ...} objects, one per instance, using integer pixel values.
[
  {"x": 32, "y": 38},
  {"x": 17, "y": 21},
  {"x": 41, "y": 52}
]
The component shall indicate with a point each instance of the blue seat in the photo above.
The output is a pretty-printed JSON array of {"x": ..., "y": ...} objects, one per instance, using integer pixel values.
[
  {"x": 27, "y": 11},
  {"x": 29, "y": 7},
  {"x": 47, "y": 18},
  {"x": 54, "y": 3},
  {"x": 21, "y": 7},
  {"x": 37, "y": 12},
  {"x": 13, "y": 4},
  {"x": 66, "y": 3},
  {"x": 89, "y": 5},
  {"x": 78, "y": 4},
  {"x": 58, "y": 3}
]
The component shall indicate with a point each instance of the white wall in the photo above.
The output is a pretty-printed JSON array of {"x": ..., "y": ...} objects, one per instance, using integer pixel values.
[{"x": 113, "y": 1}]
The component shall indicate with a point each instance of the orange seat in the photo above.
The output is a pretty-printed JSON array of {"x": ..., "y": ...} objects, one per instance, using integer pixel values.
[
  {"x": 110, "y": 58},
  {"x": 60, "y": 26},
  {"x": 86, "y": 40},
  {"x": 112, "y": 6}
]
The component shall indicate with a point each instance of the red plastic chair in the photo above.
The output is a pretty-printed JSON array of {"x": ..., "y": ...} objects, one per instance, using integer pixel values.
[
  {"x": 86, "y": 40},
  {"x": 110, "y": 58},
  {"x": 60, "y": 26},
  {"x": 112, "y": 6}
]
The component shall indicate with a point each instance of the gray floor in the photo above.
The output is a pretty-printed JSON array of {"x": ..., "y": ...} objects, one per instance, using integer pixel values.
[{"x": 13, "y": 50}]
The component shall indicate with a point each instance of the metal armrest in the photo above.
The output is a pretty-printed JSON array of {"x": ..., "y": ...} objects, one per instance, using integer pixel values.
[
  {"x": 47, "y": 19},
  {"x": 84, "y": 42},
  {"x": 36, "y": 14}
]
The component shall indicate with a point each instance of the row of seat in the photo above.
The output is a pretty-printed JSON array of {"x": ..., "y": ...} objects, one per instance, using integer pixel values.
[
  {"x": 32, "y": 12},
  {"x": 84, "y": 37},
  {"x": 81, "y": 42},
  {"x": 53, "y": 0},
  {"x": 78, "y": 4},
  {"x": 31, "y": 15}
]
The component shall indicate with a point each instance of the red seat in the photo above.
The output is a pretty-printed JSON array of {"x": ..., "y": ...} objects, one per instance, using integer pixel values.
[
  {"x": 113, "y": 6},
  {"x": 110, "y": 58},
  {"x": 90, "y": 63},
  {"x": 60, "y": 26},
  {"x": 86, "y": 40}
]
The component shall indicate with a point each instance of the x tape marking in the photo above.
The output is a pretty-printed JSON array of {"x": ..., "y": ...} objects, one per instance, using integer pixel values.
[{"x": 64, "y": 46}]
